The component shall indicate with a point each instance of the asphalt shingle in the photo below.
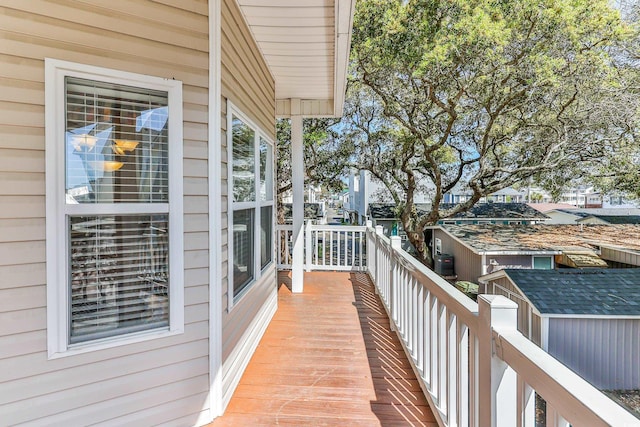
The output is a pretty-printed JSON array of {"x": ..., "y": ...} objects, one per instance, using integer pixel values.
[{"x": 570, "y": 291}]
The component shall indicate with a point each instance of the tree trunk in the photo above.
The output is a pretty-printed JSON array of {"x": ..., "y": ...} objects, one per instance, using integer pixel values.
[{"x": 416, "y": 238}]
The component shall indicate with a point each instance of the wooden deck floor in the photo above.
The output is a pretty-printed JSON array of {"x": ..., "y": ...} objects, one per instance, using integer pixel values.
[{"x": 328, "y": 358}]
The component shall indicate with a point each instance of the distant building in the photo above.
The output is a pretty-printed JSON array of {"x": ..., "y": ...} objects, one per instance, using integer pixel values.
[
  {"x": 384, "y": 214},
  {"x": 479, "y": 249},
  {"x": 570, "y": 215},
  {"x": 587, "y": 319}
]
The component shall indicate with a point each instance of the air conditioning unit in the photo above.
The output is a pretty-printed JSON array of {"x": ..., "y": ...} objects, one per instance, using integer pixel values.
[{"x": 444, "y": 265}]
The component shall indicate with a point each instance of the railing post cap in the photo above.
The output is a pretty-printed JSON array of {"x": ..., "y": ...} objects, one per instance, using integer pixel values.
[
  {"x": 497, "y": 301},
  {"x": 379, "y": 229},
  {"x": 396, "y": 242},
  {"x": 369, "y": 223}
]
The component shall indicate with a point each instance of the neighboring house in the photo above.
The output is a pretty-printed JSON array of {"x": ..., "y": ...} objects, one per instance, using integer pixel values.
[
  {"x": 314, "y": 211},
  {"x": 549, "y": 207},
  {"x": 587, "y": 319},
  {"x": 506, "y": 195},
  {"x": 484, "y": 248},
  {"x": 480, "y": 249},
  {"x": 365, "y": 189},
  {"x": 383, "y": 214},
  {"x": 495, "y": 213},
  {"x": 575, "y": 215},
  {"x": 618, "y": 256},
  {"x": 481, "y": 213},
  {"x": 137, "y": 197},
  {"x": 609, "y": 219}
]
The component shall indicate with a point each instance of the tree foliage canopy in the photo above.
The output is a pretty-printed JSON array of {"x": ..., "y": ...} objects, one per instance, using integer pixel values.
[
  {"x": 327, "y": 156},
  {"x": 478, "y": 95}
]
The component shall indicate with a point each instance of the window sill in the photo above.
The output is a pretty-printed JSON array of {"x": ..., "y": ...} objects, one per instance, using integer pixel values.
[{"x": 106, "y": 343}]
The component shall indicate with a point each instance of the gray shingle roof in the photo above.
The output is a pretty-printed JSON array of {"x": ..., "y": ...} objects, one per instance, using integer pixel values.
[
  {"x": 479, "y": 211},
  {"x": 571, "y": 291}
]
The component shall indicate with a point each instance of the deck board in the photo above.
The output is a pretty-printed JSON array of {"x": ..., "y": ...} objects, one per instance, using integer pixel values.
[{"x": 328, "y": 358}]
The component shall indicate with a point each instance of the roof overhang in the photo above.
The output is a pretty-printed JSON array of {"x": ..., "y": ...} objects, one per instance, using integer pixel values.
[{"x": 306, "y": 46}]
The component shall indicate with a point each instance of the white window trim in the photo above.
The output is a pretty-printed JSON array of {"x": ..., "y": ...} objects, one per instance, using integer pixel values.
[
  {"x": 56, "y": 208},
  {"x": 232, "y": 110}
]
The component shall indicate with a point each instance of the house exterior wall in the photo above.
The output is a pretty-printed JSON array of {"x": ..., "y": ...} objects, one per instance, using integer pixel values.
[
  {"x": 619, "y": 258},
  {"x": 508, "y": 261},
  {"x": 606, "y": 352},
  {"x": 247, "y": 83},
  {"x": 467, "y": 264},
  {"x": 150, "y": 382}
]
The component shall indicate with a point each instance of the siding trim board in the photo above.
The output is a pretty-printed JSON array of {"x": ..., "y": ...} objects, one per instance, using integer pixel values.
[{"x": 215, "y": 209}]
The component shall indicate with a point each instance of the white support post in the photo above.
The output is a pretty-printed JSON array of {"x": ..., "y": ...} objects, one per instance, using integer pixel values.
[
  {"x": 498, "y": 382},
  {"x": 309, "y": 246},
  {"x": 297, "y": 179}
]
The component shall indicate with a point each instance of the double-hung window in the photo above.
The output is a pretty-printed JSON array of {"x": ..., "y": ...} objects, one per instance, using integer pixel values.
[
  {"x": 114, "y": 207},
  {"x": 251, "y": 205}
]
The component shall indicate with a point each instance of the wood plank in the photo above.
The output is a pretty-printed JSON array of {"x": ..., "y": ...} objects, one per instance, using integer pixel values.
[{"x": 329, "y": 358}]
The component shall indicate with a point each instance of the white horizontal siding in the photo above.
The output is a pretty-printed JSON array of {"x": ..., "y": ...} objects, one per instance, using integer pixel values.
[{"x": 145, "y": 383}]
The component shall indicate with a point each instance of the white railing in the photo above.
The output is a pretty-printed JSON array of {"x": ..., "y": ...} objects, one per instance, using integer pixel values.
[
  {"x": 475, "y": 368},
  {"x": 284, "y": 245},
  {"x": 327, "y": 247}
]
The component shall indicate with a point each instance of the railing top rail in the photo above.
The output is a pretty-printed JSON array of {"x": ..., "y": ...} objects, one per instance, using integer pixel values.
[
  {"x": 458, "y": 303},
  {"x": 345, "y": 228},
  {"x": 574, "y": 398}
]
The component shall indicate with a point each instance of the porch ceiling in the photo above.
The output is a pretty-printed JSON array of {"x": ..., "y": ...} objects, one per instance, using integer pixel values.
[{"x": 306, "y": 45}]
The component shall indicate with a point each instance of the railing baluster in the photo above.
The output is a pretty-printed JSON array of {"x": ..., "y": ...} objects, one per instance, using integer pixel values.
[
  {"x": 463, "y": 374},
  {"x": 526, "y": 404},
  {"x": 419, "y": 355},
  {"x": 426, "y": 341},
  {"x": 452, "y": 369},
  {"x": 433, "y": 339},
  {"x": 331, "y": 247},
  {"x": 442, "y": 357}
]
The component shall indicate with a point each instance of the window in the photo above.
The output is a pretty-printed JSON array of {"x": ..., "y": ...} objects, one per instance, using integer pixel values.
[
  {"x": 542, "y": 263},
  {"x": 114, "y": 207},
  {"x": 251, "y": 206}
]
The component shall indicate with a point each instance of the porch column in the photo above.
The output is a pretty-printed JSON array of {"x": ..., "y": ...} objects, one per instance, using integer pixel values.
[{"x": 297, "y": 179}]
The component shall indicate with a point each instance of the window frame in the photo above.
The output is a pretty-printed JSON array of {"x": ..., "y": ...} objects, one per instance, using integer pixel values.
[
  {"x": 549, "y": 257},
  {"x": 255, "y": 205},
  {"x": 58, "y": 211}
]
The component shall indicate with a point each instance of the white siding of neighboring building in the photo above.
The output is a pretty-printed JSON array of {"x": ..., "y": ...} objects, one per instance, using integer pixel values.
[
  {"x": 606, "y": 352},
  {"x": 560, "y": 218},
  {"x": 151, "y": 382},
  {"x": 247, "y": 83}
]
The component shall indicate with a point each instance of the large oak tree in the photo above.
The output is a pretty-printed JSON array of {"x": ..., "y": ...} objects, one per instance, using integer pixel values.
[{"x": 478, "y": 95}]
